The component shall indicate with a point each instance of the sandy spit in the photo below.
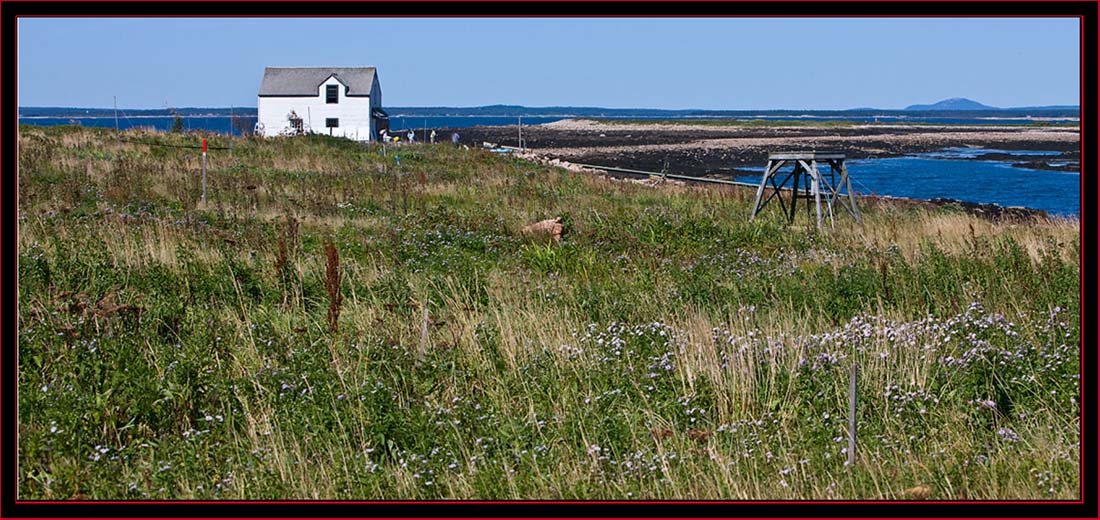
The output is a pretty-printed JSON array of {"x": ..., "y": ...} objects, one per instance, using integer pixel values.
[{"x": 597, "y": 126}]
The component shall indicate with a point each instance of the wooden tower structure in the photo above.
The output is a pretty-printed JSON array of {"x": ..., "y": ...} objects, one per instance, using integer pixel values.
[{"x": 816, "y": 184}]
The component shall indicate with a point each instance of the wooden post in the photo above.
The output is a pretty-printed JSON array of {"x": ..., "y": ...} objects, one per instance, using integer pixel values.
[
  {"x": 204, "y": 170},
  {"x": 397, "y": 172},
  {"x": 852, "y": 414},
  {"x": 424, "y": 333},
  {"x": 232, "y": 132},
  {"x": 118, "y": 136},
  {"x": 393, "y": 190}
]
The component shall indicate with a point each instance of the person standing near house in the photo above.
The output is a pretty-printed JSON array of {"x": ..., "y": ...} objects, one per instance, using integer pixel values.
[
  {"x": 433, "y": 136},
  {"x": 412, "y": 136},
  {"x": 454, "y": 138},
  {"x": 385, "y": 135}
]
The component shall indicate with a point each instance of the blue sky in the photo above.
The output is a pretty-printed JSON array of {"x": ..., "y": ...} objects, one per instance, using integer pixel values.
[{"x": 708, "y": 63}]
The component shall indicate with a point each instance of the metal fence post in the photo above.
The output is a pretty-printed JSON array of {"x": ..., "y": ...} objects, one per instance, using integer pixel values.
[{"x": 852, "y": 414}]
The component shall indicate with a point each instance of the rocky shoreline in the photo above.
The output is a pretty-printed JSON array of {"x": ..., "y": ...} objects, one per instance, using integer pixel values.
[
  {"x": 992, "y": 212},
  {"x": 710, "y": 150},
  {"x": 706, "y": 151}
]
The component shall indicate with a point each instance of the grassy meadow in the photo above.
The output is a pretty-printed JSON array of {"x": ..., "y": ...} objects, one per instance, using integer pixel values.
[{"x": 335, "y": 322}]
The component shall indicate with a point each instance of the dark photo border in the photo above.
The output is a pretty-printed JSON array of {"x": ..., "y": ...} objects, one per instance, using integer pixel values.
[{"x": 11, "y": 507}]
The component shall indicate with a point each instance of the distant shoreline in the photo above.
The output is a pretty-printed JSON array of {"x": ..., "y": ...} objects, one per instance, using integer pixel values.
[
  {"x": 1072, "y": 112},
  {"x": 701, "y": 149}
]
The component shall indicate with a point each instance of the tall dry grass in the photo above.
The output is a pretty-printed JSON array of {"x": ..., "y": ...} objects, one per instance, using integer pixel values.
[{"x": 667, "y": 349}]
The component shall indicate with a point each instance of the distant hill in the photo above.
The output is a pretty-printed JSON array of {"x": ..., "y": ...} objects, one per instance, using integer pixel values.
[
  {"x": 953, "y": 104},
  {"x": 969, "y": 105}
]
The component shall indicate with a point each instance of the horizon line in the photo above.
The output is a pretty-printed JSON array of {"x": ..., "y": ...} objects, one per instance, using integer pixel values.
[{"x": 586, "y": 107}]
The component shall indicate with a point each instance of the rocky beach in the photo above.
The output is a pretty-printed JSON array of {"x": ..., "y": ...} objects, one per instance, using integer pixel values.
[{"x": 710, "y": 149}]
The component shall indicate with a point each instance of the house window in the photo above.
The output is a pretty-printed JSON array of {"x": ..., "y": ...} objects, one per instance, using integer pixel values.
[
  {"x": 331, "y": 94},
  {"x": 332, "y": 122}
]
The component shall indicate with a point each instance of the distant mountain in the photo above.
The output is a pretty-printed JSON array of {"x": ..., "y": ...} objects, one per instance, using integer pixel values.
[
  {"x": 969, "y": 105},
  {"x": 953, "y": 104}
]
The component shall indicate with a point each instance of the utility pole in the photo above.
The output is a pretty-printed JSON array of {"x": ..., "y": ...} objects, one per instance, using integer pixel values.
[{"x": 520, "y": 143}]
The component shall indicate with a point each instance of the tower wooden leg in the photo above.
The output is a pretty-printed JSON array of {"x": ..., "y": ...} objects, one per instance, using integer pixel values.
[
  {"x": 816, "y": 186},
  {"x": 851, "y": 196},
  {"x": 760, "y": 190},
  {"x": 794, "y": 192},
  {"x": 828, "y": 190}
]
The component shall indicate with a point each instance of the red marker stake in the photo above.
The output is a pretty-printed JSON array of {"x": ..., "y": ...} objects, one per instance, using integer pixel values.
[{"x": 204, "y": 170}]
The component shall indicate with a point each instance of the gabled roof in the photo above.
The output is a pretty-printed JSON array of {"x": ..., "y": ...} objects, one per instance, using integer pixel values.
[{"x": 303, "y": 81}]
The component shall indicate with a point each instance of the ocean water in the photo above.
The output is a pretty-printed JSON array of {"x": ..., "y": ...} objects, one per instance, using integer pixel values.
[
  {"x": 216, "y": 124},
  {"x": 404, "y": 123},
  {"x": 927, "y": 176},
  {"x": 223, "y": 123},
  {"x": 970, "y": 153}
]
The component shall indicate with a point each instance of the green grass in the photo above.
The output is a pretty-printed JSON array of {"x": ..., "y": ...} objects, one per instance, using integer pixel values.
[{"x": 666, "y": 349}]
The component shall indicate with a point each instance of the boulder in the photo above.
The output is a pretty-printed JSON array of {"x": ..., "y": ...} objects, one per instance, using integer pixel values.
[{"x": 550, "y": 227}]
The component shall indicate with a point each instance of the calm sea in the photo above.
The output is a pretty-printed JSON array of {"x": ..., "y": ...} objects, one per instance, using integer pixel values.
[
  {"x": 945, "y": 175},
  {"x": 216, "y": 124},
  {"x": 223, "y": 124}
]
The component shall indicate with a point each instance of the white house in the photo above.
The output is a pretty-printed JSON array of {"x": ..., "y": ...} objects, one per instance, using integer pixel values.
[{"x": 339, "y": 101}]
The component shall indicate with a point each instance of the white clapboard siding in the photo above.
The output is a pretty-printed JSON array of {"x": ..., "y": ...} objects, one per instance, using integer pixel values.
[{"x": 354, "y": 112}]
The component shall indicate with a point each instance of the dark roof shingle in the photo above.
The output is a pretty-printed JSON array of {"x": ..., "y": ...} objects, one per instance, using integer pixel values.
[{"x": 303, "y": 81}]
